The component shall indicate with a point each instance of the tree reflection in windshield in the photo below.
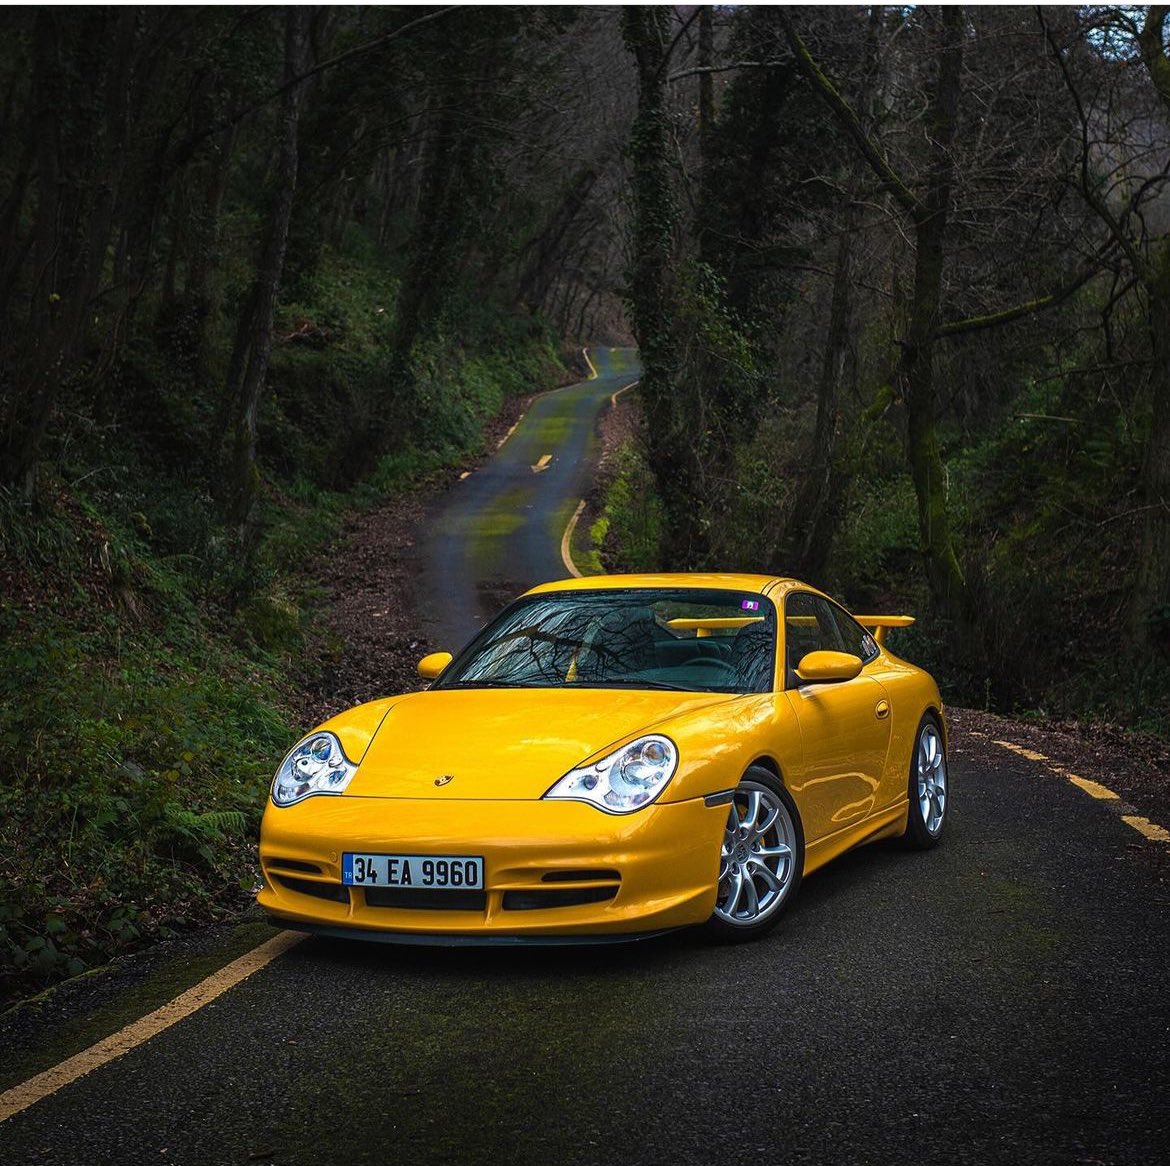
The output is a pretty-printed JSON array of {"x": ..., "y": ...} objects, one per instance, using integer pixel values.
[{"x": 693, "y": 640}]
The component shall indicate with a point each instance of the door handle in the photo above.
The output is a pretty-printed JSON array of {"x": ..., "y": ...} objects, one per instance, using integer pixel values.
[{"x": 882, "y": 710}]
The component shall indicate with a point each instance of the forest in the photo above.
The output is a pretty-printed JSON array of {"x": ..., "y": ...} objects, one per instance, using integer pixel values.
[{"x": 899, "y": 278}]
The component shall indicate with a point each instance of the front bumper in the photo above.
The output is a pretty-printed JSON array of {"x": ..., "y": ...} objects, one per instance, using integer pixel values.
[{"x": 552, "y": 870}]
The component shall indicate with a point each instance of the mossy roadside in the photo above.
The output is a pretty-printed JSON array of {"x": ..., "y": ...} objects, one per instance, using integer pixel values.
[
  {"x": 43, "y": 1030},
  {"x": 345, "y": 657},
  {"x": 149, "y": 692}
]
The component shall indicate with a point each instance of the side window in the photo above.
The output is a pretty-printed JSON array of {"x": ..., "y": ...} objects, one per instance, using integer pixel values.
[
  {"x": 857, "y": 641},
  {"x": 809, "y": 626}
]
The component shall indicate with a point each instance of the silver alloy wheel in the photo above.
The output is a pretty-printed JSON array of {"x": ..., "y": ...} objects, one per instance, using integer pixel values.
[
  {"x": 756, "y": 860},
  {"x": 932, "y": 779}
]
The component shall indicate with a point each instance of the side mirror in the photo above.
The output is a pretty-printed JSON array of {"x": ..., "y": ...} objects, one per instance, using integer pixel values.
[
  {"x": 429, "y": 667},
  {"x": 818, "y": 667}
]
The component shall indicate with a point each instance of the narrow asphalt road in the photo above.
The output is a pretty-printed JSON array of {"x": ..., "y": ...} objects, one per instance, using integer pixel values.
[
  {"x": 1000, "y": 999},
  {"x": 499, "y": 532}
]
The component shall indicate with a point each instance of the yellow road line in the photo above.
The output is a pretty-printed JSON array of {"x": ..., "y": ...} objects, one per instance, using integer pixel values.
[
  {"x": 45, "y": 1084},
  {"x": 1093, "y": 788},
  {"x": 592, "y": 369},
  {"x": 1030, "y": 754},
  {"x": 623, "y": 389},
  {"x": 1146, "y": 828},
  {"x": 567, "y": 542},
  {"x": 542, "y": 464},
  {"x": 500, "y": 443}
]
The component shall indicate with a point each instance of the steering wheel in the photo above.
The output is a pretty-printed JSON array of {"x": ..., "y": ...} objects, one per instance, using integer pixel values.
[{"x": 716, "y": 668}]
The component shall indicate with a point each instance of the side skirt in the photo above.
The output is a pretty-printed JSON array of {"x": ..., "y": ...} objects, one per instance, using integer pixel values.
[{"x": 887, "y": 823}]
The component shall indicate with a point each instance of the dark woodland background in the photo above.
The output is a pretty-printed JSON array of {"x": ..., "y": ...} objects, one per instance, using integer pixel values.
[{"x": 900, "y": 279}]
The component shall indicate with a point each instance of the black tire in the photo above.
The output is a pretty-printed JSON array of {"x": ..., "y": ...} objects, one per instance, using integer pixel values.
[
  {"x": 745, "y": 858},
  {"x": 928, "y": 783}
]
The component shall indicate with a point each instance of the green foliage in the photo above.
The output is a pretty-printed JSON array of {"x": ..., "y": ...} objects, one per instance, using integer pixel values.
[
  {"x": 144, "y": 752},
  {"x": 1044, "y": 505},
  {"x": 457, "y": 392},
  {"x": 628, "y": 534},
  {"x": 151, "y": 655}
]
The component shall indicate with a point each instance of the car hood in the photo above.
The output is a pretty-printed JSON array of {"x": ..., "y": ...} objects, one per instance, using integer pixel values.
[{"x": 505, "y": 743}]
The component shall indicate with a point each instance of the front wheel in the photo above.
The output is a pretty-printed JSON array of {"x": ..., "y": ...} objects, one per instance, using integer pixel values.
[
  {"x": 760, "y": 860},
  {"x": 928, "y": 788}
]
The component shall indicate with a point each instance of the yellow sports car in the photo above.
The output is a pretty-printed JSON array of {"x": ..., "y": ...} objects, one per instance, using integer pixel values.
[{"x": 612, "y": 757}]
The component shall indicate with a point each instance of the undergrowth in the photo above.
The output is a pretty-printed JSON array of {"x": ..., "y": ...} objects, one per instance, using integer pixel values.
[
  {"x": 152, "y": 661},
  {"x": 1049, "y": 561}
]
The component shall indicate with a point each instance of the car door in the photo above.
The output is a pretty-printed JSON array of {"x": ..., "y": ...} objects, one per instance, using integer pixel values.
[{"x": 844, "y": 725}]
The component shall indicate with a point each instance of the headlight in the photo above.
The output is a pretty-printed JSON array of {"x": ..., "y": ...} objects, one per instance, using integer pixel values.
[
  {"x": 318, "y": 765},
  {"x": 626, "y": 780}
]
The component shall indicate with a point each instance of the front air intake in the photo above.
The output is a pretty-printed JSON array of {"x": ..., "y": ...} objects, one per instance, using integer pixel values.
[
  {"x": 334, "y": 892},
  {"x": 426, "y": 900},
  {"x": 581, "y": 876},
  {"x": 539, "y": 900}
]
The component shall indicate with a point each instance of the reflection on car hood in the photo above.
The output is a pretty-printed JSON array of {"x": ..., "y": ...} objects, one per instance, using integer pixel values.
[{"x": 505, "y": 743}]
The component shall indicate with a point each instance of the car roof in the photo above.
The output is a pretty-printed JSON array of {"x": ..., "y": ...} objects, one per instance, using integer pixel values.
[{"x": 718, "y": 581}]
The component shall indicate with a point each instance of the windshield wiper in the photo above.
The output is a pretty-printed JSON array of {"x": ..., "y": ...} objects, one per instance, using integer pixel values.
[
  {"x": 487, "y": 684},
  {"x": 640, "y": 684}
]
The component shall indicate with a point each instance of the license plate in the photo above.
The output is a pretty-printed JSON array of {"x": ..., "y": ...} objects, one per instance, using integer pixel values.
[{"x": 427, "y": 871}]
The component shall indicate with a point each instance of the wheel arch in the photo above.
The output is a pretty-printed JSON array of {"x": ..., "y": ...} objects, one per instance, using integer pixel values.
[
  {"x": 934, "y": 709},
  {"x": 766, "y": 761}
]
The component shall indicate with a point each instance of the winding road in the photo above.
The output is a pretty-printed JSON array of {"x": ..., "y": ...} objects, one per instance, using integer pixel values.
[
  {"x": 1000, "y": 999},
  {"x": 501, "y": 529}
]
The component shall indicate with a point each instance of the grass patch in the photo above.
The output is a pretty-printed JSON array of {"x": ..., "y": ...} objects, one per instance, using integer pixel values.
[{"x": 627, "y": 535}]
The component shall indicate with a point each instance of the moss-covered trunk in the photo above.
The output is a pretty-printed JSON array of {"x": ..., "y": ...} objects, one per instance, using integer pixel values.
[
  {"x": 916, "y": 368},
  {"x": 249, "y": 364},
  {"x": 652, "y": 288},
  {"x": 1151, "y": 597}
]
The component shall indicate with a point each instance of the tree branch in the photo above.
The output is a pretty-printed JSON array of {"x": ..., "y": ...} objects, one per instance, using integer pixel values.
[
  {"x": 706, "y": 69},
  {"x": 1098, "y": 205},
  {"x": 845, "y": 114},
  {"x": 677, "y": 37},
  {"x": 188, "y": 147},
  {"x": 1058, "y": 295}
]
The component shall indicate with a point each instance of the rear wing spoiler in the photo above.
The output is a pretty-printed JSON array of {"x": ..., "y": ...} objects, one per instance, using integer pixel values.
[
  {"x": 705, "y": 626},
  {"x": 880, "y": 624}
]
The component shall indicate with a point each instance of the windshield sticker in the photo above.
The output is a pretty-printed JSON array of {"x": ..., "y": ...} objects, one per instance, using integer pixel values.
[{"x": 750, "y": 605}]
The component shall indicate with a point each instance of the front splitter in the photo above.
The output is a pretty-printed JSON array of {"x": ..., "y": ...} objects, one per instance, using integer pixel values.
[{"x": 422, "y": 939}]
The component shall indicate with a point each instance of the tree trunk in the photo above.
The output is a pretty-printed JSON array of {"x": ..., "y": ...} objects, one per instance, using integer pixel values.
[
  {"x": 817, "y": 512},
  {"x": 254, "y": 339},
  {"x": 79, "y": 167},
  {"x": 434, "y": 248},
  {"x": 707, "y": 136},
  {"x": 197, "y": 291},
  {"x": 915, "y": 376},
  {"x": 652, "y": 291},
  {"x": 1151, "y": 597},
  {"x": 820, "y": 506},
  {"x": 1150, "y": 605}
]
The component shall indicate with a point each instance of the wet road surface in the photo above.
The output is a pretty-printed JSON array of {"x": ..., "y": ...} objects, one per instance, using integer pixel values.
[
  {"x": 1000, "y": 999},
  {"x": 499, "y": 531}
]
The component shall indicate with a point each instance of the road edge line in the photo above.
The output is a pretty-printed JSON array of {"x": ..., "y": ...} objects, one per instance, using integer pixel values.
[
  {"x": 1148, "y": 829},
  {"x": 567, "y": 537},
  {"x": 593, "y": 374},
  {"x": 623, "y": 389},
  {"x": 138, "y": 1032},
  {"x": 567, "y": 542}
]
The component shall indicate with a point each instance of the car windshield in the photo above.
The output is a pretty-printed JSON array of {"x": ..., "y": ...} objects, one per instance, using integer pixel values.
[{"x": 686, "y": 639}]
